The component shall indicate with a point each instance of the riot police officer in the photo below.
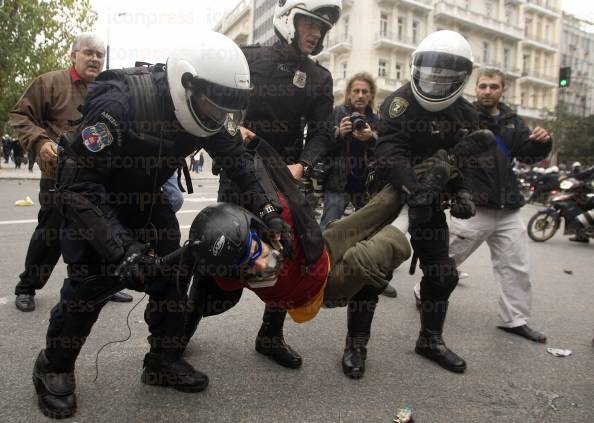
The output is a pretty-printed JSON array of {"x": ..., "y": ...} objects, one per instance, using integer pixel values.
[
  {"x": 138, "y": 125},
  {"x": 291, "y": 91},
  {"x": 420, "y": 118}
]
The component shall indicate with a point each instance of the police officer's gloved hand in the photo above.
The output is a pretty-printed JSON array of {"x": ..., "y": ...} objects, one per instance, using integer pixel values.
[
  {"x": 463, "y": 207},
  {"x": 277, "y": 227},
  {"x": 473, "y": 144},
  {"x": 132, "y": 269},
  {"x": 420, "y": 207}
]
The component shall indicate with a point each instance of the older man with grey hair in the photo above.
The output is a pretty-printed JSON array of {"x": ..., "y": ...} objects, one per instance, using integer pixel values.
[{"x": 47, "y": 109}]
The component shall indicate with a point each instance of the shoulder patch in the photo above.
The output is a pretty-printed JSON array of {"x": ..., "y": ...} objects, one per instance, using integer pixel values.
[
  {"x": 398, "y": 107},
  {"x": 96, "y": 137}
]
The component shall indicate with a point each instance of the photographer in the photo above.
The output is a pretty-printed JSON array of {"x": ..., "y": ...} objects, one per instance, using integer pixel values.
[{"x": 351, "y": 150}]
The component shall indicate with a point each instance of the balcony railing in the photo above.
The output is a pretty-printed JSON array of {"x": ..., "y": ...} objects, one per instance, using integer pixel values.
[
  {"x": 419, "y": 4},
  {"x": 392, "y": 38},
  {"x": 534, "y": 113},
  {"x": 478, "y": 20},
  {"x": 342, "y": 42},
  {"x": 543, "y": 4},
  {"x": 387, "y": 84},
  {"x": 541, "y": 40},
  {"x": 237, "y": 12},
  {"x": 526, "y": 73}
]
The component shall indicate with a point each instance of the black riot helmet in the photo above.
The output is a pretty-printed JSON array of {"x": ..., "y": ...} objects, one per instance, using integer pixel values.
[{"x": 225, "y": 232}]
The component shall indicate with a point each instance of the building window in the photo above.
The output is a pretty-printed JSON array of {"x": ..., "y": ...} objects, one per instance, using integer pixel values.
[
  {"x": 523, "y": 98},
  {"x": 382, "y": 68},
  {"x": 399, "y": 71},
  {"x": 383, "y": 24},
  {"x": 506, "y": 57},
  {"x": 489, "y": 7},
  {"x": 415, "y": 31},
  {"x": 343, "y": 69},
  {"x": 400, "y": 28},
  {"x": 486, "y": 48},
  {"x": 525, "y": 59},
  {"x": 346, "y": 26},
  {"x": 467, "y": 4},
  {"x": 527, "y": 25},
  {"x": 508, "y": 14}
]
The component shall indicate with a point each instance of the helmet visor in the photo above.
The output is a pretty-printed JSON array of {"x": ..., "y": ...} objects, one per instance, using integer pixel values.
[
  {"x": 328, "y": 16},
  {"x": 213, "y": 105},
  {"x": 437, "y": 75},
  {"x": 249, "y": 257}
]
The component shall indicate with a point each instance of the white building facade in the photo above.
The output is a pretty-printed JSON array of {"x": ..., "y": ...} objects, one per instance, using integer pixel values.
[
  {"x": 519, "y": 37},
  {"x": 577, "y": 42}
]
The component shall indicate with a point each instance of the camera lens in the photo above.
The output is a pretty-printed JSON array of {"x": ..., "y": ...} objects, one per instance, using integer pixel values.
[{"x": 359, "y": 124}]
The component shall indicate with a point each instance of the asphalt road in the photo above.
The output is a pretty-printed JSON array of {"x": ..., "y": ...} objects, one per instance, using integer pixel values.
[{"x": 508, "y": 379}]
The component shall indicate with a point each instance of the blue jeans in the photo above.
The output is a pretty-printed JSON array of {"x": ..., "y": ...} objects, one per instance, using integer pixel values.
[
  {"x": 335, "y": 203},
  {"x": 173, "y": 193}
]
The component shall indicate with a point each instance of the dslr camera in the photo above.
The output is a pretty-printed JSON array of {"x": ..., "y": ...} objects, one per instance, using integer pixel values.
[
  {"x": 318, "y": 175},
  {"x": 358, "y": 120},
  {"x": 313, "y": 180}
]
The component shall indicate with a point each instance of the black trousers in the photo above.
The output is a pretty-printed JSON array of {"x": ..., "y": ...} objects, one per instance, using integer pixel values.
[
  {"x": 88, "y": 286},
  {"x": 44, "y": 247},
  {"x": 430, "y": 242},
  {"x": 31, "y": 158}
]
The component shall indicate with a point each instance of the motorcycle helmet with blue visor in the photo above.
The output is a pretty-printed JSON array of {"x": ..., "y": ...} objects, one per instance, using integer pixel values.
[{"x": 230, "y": 241}]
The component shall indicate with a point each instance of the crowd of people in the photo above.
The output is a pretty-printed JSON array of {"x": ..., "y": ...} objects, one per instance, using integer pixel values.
[{"x": 111, "y": 184}]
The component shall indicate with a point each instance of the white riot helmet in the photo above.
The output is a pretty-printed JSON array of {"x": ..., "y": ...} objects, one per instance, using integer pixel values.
[
  {"x": 552, "y": 169},
  {"x": 440, "y": 68},
  {"x": 325, "y": 11},
  {"x": 209, "y": 83}
]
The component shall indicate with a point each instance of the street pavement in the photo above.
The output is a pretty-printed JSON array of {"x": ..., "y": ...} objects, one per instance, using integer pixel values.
[{"x": 508, "y": 379}]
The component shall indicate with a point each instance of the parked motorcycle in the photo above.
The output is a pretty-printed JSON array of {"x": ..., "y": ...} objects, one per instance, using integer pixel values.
[{"x": 576, "y": 198}]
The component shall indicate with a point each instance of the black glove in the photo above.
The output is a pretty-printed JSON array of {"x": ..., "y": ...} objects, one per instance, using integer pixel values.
[
  {"x": 278, "y": 226},
  {"x": 131, "y": 270},
  {"x": 420, "y": 207},
  {"x": 472, "y": 144},
  {"x": 462, "y": 206}
]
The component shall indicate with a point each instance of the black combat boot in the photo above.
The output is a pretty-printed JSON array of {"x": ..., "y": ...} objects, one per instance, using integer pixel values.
[
  {"x": 430, "y": 344},
  {"x": 173, "y": 371},
  {"x": 270, "y": 340},
  {"x": 359, "y": 318},
  {"x": 55, "y": 391}
]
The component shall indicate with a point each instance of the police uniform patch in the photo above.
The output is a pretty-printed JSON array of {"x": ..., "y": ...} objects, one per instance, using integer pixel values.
[
  {"x": 299, "y": 79},
  {"x": 397, "y": 107},
  {"x": 96, "y": 137}
]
